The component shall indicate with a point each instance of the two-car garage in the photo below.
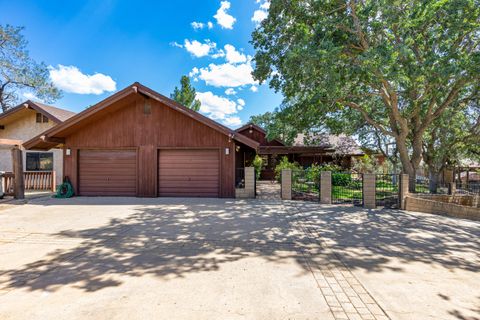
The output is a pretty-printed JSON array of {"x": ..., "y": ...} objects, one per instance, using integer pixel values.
[
  {"x": 140, "y": 143},
  {"x": 181, "y": 172}
]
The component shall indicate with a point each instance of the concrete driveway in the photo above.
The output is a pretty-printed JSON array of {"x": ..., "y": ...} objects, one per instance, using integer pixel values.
[
  {"x": 415, "y": 265},
  {"x": 128, "y": 258}
]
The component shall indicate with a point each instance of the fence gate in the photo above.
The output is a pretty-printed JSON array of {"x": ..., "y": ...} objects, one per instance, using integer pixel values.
[
  {"x": 386, "y": 190},
  {"x": 305, "y": 185},
  {"x": 347, "y": 188}
]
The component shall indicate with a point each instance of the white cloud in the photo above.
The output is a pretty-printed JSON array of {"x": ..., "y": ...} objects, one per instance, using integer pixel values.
[
  {"x": 225, "y": 20},
  {"x": 31, "y": 96},
  {"x": 219, "y": 54},
  {"x": 262, "y": 13},
  {"x": 227, "y": 75},
  {"x": 176, "y": 44},
  {"x": 241, "y": 102},
  {"x": 253, "y": 89},
  {"x": 197, "y": 25},
  {"x": 232, "y": 121},
  {"x": 233, "y": 56},
  {"x": 71, "y": 79},
  {"x": 199, "y": 49},
  {"x": 230, "y": 91},
  {"x": 216, "y": 107},
  {"x": 259, "y": 16},
  {"x": 209, "y": 25}
]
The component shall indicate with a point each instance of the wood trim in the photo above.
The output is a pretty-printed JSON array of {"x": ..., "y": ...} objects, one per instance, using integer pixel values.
[
  {"x": 11, "y": 142},
  {"x": 138, "y": 88}
]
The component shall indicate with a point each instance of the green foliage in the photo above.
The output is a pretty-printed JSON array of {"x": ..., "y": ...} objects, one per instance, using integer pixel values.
[
  {"x": 285, "y": 164},
  {"x": 186, "y": 94},
  {"x": 341, "y": 179},
  {"x": 366, "y": 164},
  {"x": 19, "y": 73},
  {"x": 392, "y": 66},
  {"x": 258, "y": 165}
]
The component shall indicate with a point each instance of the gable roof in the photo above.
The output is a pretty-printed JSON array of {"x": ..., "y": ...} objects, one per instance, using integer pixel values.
[
  {"x": 55, "y": 114},
  {"x": 50, "y": 138},
  {"x": 258, "y": 128}
]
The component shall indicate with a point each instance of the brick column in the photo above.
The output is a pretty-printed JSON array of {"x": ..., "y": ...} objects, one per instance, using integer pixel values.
[
  {"x": 403, "y": 189},
  {"x": 287, "y": 184},
  {"x": 326, "y": 187},
  {"x": 250, "y": 182},
  {"x": 369, "y": 197}
]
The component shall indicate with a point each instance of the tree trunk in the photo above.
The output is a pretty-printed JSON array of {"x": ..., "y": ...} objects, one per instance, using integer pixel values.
[
  {"x": 408, "y": 166},
  {"x": 433, "y": 180}
]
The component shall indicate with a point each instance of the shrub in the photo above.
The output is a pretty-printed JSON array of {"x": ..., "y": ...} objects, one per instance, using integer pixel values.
[
  {"x": 341, "y": 179},
  {"x": 258, "y": 165},
  {"x": 285, "y": 164}
]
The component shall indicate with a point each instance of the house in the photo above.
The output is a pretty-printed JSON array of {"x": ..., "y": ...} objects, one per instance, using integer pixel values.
[
  {"x": 306, "y": 150},
  {"x": 138, "y": 142},
  {"x": 24, "y": 122}
]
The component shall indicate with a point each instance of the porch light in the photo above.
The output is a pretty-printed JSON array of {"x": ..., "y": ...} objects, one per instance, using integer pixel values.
[
  {"x": 237, "y": 148},
  {"x": 227, "y": 151},
  {"x": 68, "y": 151}
]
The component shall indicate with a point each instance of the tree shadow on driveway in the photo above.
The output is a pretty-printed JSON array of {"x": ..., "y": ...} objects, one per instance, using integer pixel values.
[
  {"x": 384, "y": 234},
  {"x": 168, "y": 239}
]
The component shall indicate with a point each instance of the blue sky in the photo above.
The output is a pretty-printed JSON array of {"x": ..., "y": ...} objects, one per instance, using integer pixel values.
[{"x": 97, "y": 47}]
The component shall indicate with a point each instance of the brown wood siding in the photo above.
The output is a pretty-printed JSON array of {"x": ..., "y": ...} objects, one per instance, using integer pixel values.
[
  {"x": 107, "y": 172},
  {"x": 188, "y": 173},
  {"x": 260, "y": 137},
  {"x": 129, "y": 127}
]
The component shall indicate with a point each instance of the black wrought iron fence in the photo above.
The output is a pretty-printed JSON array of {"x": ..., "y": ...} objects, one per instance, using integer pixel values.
[
  {"x": 467, "y": 188},
  {"x": 347, "y": 188},
  {"x": 422, "y": 185},
  {"x": 305, "y": 185},
  {"x": 386, "y": 190}
]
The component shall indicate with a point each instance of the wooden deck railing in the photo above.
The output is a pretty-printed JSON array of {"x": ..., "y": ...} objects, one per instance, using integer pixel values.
[
  {"x": 34, "y": 180},
  {"x": 8, "y": 183},
  {"x": 39, "y": 180}
]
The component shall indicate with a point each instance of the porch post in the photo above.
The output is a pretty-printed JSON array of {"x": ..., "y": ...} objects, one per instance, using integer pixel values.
[
  {"x": 1, "y": 184},
  {"x": 326, "y": 187},
  {"x": 286, "y": 184},
  {"x": 19, "y": 183},
  {"x": 250, "y": 181},
  {"x": 369, "y": 196}
]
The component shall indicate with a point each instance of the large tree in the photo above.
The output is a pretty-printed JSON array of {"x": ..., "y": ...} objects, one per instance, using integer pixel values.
[
  {"x": 452, "y": 137},
  {"x": 19, "y": 73},
  {"x": 186, "y": 94},
  {"x": 397, "y": 65}
]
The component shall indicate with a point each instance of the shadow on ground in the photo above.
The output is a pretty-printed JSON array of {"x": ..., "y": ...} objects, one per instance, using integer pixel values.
[
  {"x": 167, "y": 239},
  {"x": 385, "y": 234}
]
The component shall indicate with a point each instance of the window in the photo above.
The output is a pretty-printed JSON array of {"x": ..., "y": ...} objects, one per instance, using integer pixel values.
[
  {"x": 39, "y": 161},
  {"x": 41, "y": 118}
]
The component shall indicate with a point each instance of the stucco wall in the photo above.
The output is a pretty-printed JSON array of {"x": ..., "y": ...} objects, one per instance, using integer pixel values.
[{"x": 24, "y": 129}]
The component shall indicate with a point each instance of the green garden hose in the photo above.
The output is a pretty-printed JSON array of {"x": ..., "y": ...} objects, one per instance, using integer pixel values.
[{"x": 65, "y": 190}]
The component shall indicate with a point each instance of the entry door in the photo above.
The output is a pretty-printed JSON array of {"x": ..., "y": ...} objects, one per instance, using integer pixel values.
[
  {"x": 107, "y": 172},
  {"x": 188, "y": 173}
]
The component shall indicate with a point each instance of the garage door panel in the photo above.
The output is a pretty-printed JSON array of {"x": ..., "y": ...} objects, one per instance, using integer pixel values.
[
  {"x": 107, "y": 173},
  {"x": 188, "y": 173}
]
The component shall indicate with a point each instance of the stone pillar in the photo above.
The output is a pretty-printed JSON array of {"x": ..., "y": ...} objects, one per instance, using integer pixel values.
[
  {"x": 369, "y": 196},
  {"x": 452, "y": 188},
  {"x": 250, "y": 182},
  {"x": 287, "y": 184},
  {"x": 326, "y": 187},
  {"x": 403, "y": 189}
]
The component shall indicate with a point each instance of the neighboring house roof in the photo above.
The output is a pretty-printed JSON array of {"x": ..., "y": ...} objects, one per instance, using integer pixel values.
[
  {"x": 54, "y": 136},
  {"x": 342, "y": 144},
  {"x": 250, "y": 125},
  {"x": 57, "y": 115}
]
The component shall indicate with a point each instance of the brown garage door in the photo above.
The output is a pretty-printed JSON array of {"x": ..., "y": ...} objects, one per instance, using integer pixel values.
[
  {"x": 107, "y": 172},
  {"x": 188, "y": 173}
]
